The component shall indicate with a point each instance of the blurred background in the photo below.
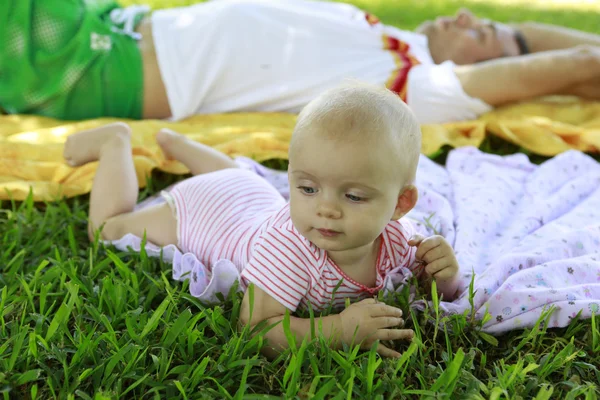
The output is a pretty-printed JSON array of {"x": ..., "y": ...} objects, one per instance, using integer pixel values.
[{"x": 407, "y": 14}]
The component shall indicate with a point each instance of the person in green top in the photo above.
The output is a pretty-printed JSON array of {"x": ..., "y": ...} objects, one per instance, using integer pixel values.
[{"x": 70, "y": 59}]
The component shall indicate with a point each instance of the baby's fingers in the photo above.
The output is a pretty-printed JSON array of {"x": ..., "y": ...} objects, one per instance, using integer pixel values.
[
  {"x": 383, "y": 310},
  {"x": 387, "y": 352},
  {"x": 433, "y": 254},
  {"x": 387, "y": 322},
  {"x": 416, "y": 239},
  {"x": 394, "y": 334},
  {"x": 369, "y": 300},
  {"x": 446, "y": 274},
  {"x": 436, "y": 266},
  {"x": 427, "y": 246}
]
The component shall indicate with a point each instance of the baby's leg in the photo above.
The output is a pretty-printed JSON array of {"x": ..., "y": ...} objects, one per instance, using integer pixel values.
[
  {"x": 197, "y": 157},
  {"x": 157, "y": 222},
  {"x": 115, "y": 187}
]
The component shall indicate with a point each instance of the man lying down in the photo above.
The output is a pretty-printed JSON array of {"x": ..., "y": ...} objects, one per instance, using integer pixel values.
[{"x": 271, "y": 55}]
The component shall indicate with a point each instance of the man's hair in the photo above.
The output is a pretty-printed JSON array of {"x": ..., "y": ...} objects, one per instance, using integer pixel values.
[{"x": 521, "y": 42}]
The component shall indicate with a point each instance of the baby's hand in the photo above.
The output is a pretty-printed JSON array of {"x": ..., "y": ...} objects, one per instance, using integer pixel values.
[
  {"x": 367, "y": 321},
  {"x": 438, "y": 256}
]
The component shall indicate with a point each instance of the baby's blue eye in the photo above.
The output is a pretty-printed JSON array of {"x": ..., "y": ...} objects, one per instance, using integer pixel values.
[
  {"x": 307, "y": 190},
  {"x": 354, "y": 198}
]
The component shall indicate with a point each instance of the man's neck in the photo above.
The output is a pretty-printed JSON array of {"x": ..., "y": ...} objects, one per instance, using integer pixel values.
[{"x": 424, "y": 30}]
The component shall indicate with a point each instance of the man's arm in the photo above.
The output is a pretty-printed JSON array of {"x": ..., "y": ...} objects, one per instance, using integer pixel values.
[
  {"x": 512, "y": 79},
  {"x": 544, "y": 37}
]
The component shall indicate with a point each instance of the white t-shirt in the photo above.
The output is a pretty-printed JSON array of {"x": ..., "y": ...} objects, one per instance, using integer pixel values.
[{"x": 277, "y": 55}]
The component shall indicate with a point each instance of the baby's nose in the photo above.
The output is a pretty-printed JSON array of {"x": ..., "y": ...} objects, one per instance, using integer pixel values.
[{"x": 329, "y": 211}]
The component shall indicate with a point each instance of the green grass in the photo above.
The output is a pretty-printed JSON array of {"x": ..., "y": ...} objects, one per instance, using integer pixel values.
[
  {"x": 78, "y": 320},
  {"x": 81, "y": 320},
  {"x": 408, "y": 14}
]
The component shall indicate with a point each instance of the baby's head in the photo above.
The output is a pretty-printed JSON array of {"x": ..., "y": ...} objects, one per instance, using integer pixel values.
[{"x": 353, "y": 160}]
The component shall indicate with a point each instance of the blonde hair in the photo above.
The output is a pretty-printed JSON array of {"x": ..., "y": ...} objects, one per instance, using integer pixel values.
[{"x": 371, "y": 114}]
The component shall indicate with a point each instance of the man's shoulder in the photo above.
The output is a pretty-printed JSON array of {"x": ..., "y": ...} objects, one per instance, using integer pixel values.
[{"x": 418, "y": 43}]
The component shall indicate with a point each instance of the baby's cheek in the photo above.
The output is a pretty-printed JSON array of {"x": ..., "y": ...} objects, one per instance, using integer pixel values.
[
  {"x": 304, "y": 217},
  {"x": 368, "y": 224},
  {"x": 297, "y": 215}
]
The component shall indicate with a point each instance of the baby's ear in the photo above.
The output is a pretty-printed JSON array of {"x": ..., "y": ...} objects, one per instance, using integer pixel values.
[{"x": 406, "y": 201}]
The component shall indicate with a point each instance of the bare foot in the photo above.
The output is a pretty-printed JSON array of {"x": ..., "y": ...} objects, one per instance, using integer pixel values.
[
  {"x": 84, "y": 147},
  {"x": 166, "y": 138}
]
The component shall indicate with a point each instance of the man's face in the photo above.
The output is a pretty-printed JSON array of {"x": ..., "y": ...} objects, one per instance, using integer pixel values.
[{"x": 466, "y": 39}]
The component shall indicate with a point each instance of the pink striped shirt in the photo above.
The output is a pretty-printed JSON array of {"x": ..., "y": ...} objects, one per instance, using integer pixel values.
[
  {"x": 297, "y": 273},
  {"x": 236, "y": 215}
]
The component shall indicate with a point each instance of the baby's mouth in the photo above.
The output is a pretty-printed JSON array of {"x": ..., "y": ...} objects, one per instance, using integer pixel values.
[{"x": 328, "y": 232}]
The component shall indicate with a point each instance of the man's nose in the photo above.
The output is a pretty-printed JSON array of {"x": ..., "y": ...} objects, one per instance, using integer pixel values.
[{"x": 464, "y": 18}]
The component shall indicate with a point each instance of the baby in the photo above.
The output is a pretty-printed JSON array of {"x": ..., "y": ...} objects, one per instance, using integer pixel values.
[{"x": 353, "y": 159}]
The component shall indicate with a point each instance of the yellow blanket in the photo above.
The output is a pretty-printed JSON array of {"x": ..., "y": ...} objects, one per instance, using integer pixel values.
[{"x": 31, "y": 147}]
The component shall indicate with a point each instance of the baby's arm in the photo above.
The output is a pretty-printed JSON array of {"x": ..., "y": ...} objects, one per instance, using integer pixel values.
[
  {"x": 362, "y": 322},
  {"x": 266, "y": 308}
]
